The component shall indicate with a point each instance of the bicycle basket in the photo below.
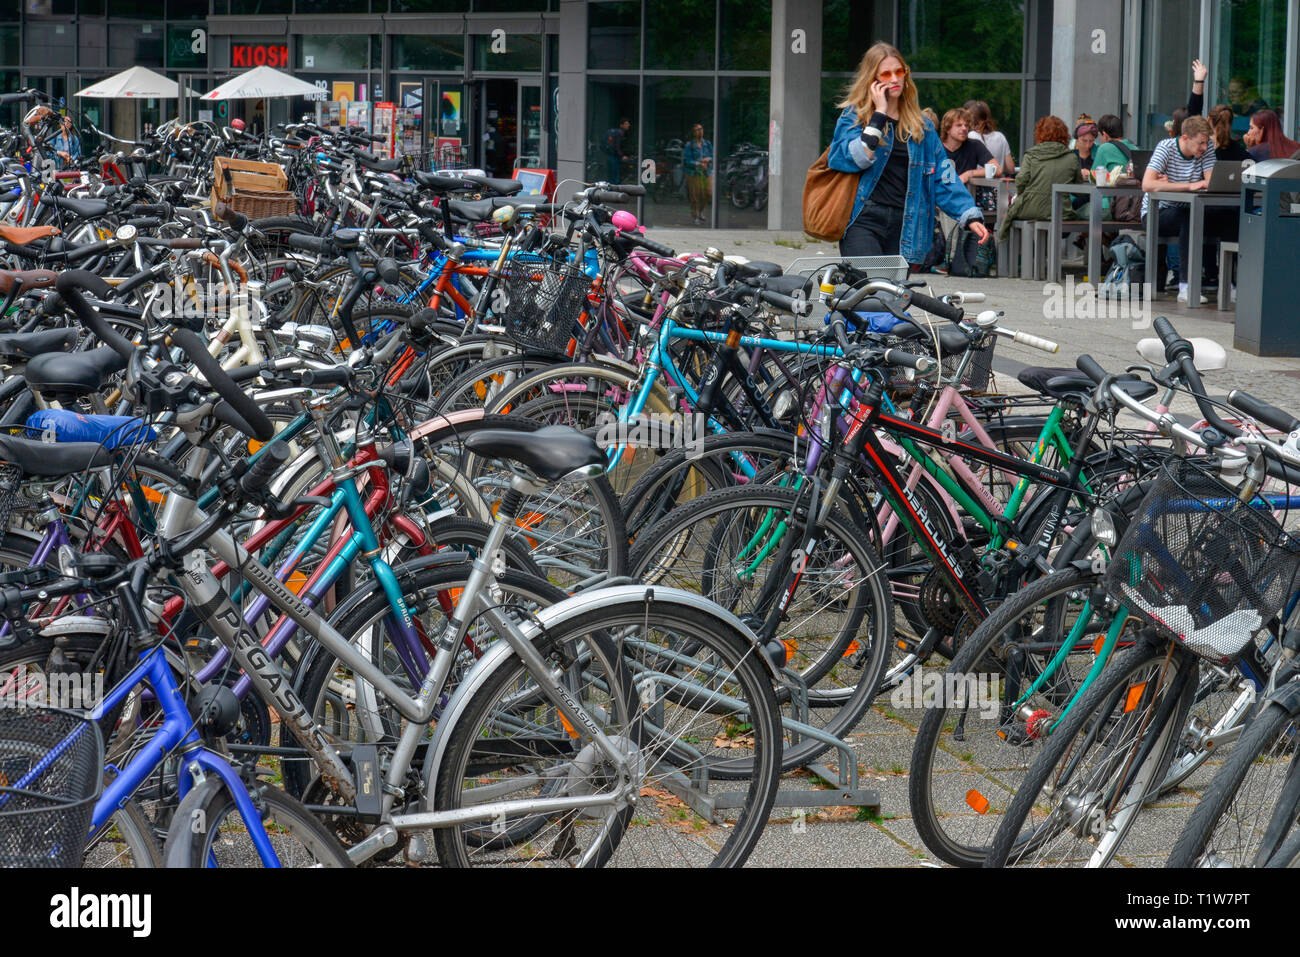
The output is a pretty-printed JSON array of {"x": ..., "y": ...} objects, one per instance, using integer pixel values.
[
  {"x": 978, "y": 371},
  {"x": 51, "y": 767},
  {"x": 1202, "y": 565},
  {"x": 543, "y": 302}
]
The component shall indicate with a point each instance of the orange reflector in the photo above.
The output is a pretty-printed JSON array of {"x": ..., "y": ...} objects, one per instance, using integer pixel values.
[
  {"x": 977, "y": 801},
  {"x": 254, "y": 445},
  {"x": 852, "y": 649},
  {"x": 791, "y": 646},
  {"x": 1096, "y": 645},
  {"x": 151, "y": 494},
  {"x": 567, "y": 727},
  {"x": 1002, "y": 735},
  {"x": 1134, "y": 696},
  {"x": 480, "y": 389},
  {"x": 902, "y": 644},
  {"x": 296, "y": 583}
]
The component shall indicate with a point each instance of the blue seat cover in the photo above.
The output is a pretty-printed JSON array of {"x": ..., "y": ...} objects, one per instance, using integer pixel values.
[{"x": 110, "y": 431}]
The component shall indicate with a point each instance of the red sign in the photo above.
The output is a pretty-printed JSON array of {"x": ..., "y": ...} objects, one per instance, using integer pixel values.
[{"x": 259, "y": 54}]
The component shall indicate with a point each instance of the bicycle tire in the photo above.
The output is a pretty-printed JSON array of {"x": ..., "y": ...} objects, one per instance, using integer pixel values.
[
  {"x": 203, "y": 833},
  {"x": 842, "y": 671},
  {"x": 1137, "y": 744},
  {"x": 1230, "y": 824},
  {"x": 637, "y": 835}
]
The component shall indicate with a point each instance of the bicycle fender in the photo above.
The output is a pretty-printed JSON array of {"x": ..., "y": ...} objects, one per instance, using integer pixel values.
[{"x": 500, "y": 652}]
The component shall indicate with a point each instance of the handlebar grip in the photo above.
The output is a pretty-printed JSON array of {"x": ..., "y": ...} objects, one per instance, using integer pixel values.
[
  {"x": 225, "y": 387},
  {"x": 784, "y": 303},
  {"x": 1270, "y": 415},
  {"x": 150, "y": 209},
  {"x": 85, "y": 252},
  {"x": 1175, "y": 345},
  {"x": 922, "y": 364},
  {"x": 70, "y": 286},
  {"x": 273, "y": 457},
  {"x": 1035, "y": 342},
  {"x": 339, "y": 375},
  {"x": 186, "y": 242},
  {"x": 632, "y": 189},
  {"x": 972, "y": 297},
  {"x": 605, "y": 196},
  {"x": 659, "y": 249},
  {"x": 314, "y": 244},
  {"x": 1089, "y": 367},
  {"x": 933, "y": 306}
]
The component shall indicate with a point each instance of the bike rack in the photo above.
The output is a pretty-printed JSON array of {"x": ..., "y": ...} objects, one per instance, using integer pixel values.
[{"x": 693, "y": 789}]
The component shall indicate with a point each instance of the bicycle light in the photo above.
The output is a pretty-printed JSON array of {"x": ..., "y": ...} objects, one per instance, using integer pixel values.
[{"x": 1103, "y": 527}]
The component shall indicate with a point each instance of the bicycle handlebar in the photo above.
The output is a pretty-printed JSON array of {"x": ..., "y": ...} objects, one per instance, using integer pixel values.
[{"x": 1270, "y": 415}]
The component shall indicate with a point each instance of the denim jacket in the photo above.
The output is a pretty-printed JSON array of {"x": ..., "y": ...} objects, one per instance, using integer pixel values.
[{"x": 931, "y": 180}]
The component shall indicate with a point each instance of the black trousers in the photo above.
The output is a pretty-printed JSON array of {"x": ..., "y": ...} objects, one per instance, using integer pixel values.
[
  {"x": 878, "y": 231},
  {"x": 1176, "y": 220}
]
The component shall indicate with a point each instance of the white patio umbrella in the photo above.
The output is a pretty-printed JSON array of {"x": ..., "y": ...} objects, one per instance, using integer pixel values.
[
  {"x": 135, "y": 83},
  {"x": 260, "y": 82}
]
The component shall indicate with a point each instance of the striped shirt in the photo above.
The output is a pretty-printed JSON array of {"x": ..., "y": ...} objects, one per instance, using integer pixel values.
[{"x": 1169, "y": 159}]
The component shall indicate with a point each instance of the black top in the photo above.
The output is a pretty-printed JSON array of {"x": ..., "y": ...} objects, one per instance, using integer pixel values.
[
  {"x": 970, "y": 155},
  {"x": 891, "y": 188},
  {"x": 1233, "y": 152}
]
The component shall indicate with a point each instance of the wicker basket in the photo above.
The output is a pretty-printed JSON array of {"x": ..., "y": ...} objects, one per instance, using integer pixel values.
[{"x": 256, "y": 204}]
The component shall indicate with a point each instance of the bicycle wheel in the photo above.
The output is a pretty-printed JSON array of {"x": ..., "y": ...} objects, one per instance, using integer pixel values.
[
  {"x": 733, "y": 546},
  {"x": 682, "y": 475},
  {"x": 126, "y": 841},
  {"x": 478, "y": 385},
  {"x": 970, "y": 757},
  {"x": 698, "y": 709},
  {"x": 1107, "y": 757},
  {"x": 1248, "y": 810},
  {"x": 209, "y": 832},
  {"x": 349, "y": 709}
]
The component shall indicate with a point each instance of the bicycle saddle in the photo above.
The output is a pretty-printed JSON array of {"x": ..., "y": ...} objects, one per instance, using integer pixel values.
[
  {"x": 442, "y": 184},
  {"x": 1058, "y": 383},
  {"x": 73, "y": 373},
  {"x": 502, "y": 187},
  {"x": 22, "y": 235},
  {"x": 474, "y": 211},
  {"x": 85, "y": 208},
  {"x": 551, "y": 452},
  {"x": 21, "y": 346},
  {"x": 952, "y": 341},
  {"x": 1208, "y": 354},
  {"x": 371, "y": 161},
  {"x": 25, "y": 279},
  {"x": 47, "y": 459}
]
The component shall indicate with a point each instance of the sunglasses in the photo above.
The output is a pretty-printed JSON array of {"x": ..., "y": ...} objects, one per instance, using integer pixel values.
[{"x": 891, "y": 74}]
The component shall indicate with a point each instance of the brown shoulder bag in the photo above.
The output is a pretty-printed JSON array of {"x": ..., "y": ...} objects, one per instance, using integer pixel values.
[{"x": 828, "y": 200}]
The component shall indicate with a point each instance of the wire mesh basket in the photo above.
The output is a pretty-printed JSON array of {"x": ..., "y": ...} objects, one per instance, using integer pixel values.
[
  {"x": 51, "y": 768},
  {"x": 1201, "y": 564},
  {"x": 978, "y": 371},
  {"x": 543, "y": 300}
]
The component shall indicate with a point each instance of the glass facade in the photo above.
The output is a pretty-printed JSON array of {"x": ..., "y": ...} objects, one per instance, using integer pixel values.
[{"x": 468, "y": 97}]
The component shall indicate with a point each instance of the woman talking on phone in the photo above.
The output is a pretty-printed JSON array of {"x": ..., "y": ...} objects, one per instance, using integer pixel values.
[{"x": 904, "y": 171}]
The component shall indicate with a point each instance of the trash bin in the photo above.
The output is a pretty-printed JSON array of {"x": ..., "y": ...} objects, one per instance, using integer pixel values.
[{"x": 1268, "y": 260}]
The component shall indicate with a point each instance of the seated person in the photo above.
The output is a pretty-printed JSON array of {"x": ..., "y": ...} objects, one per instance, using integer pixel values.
[
  {"x": 967, "y": 155},
  {"x": 1048, "y": 162},
  {"x": 1182, "y": 164}
]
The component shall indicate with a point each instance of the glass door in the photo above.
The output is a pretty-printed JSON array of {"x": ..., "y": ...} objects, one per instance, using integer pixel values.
[{"x": 531, "y": 139}]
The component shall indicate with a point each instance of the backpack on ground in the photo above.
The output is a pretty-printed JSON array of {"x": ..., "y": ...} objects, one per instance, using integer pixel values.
[
  {"x": 968, "y": 257},
  {"x": 1129, "y": 269}
]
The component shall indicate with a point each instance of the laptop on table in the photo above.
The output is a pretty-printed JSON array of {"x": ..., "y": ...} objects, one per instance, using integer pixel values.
[{"x": 1226, "y": 176}]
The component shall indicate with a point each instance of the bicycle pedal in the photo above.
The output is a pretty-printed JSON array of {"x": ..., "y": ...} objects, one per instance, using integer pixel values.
[{"x": 370, "y": 795}]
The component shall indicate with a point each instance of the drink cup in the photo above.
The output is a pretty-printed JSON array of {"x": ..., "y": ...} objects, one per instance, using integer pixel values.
[{"x": 990, "y": 171}]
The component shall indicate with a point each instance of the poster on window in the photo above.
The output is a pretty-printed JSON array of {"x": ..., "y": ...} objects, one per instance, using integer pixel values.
[
  {"x": 344, "y": 92},
  {"x": 449, "y": 113}
]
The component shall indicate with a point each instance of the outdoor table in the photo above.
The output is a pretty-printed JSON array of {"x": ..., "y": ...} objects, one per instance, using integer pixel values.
[
  {"x": 1198, "y": 202},
  {"x": 1003, "y": 185},
  {"x": 1095, "y": 195}
]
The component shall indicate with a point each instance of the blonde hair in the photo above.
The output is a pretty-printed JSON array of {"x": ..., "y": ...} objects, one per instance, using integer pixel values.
[
  {"x": 911, "y": 124},
  {"x": 932, "y": 116}
]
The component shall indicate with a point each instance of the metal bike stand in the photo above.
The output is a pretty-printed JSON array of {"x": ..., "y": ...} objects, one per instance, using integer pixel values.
[{"x": 693, "y": 789}]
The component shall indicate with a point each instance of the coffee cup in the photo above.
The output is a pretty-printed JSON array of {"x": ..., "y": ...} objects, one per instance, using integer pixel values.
[
  {"x": 1102, "y": 176},
  {"x": 990, "y": 170}
]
